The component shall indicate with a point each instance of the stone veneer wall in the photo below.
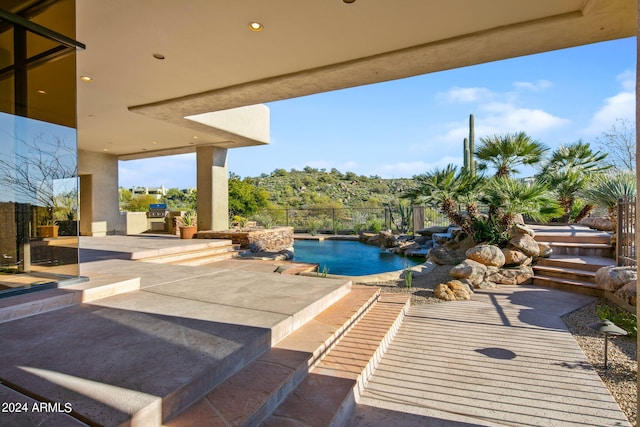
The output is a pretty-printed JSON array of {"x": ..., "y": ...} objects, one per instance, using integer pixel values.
[{"x": 256, "y": 240}]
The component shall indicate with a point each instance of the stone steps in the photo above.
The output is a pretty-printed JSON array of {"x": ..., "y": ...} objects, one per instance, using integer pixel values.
[
  {"x": 270, "y": 388},
  {"x": 578, "y": 252}
]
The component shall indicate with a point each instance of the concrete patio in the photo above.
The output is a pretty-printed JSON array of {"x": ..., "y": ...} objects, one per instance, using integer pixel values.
[{"x": 142, "y": 355}]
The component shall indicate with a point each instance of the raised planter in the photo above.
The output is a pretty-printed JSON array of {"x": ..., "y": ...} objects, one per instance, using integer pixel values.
[{"x": 255, "y": 239}]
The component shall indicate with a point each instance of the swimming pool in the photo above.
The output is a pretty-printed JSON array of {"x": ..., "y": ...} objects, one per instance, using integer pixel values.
[{"x": 349, "y": 258}]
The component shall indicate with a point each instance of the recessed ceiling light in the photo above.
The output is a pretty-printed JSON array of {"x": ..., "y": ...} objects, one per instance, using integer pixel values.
[
  {"x": 158, "y": 56},
  {"x": 195, "y": 137},
  {"x": 42, "y": 91},
  {"x": 105, "y": 149},
  {"x": 255, "y": 26},
  {"x": 349, "y": 1},
  {"x": 86, "y": 78},
  {"x": 154, "y": 142}
]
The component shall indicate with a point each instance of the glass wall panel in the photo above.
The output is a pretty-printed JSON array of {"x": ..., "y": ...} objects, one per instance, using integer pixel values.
[{"x": 38, "y": 152}]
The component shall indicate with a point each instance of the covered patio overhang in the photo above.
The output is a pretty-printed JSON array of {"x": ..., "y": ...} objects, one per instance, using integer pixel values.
[{"x": 169, "y": 79}]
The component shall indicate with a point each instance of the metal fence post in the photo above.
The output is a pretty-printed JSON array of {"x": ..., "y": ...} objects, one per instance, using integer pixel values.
[{"x": 619, "y": 236}]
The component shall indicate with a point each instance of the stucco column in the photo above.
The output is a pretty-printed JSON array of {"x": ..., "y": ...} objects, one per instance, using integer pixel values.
[
  {"x": 99, "y": 197},
  {"x": 213, "y": 188}
]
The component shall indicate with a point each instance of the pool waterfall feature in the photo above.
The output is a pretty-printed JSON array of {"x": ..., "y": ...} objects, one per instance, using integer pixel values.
[{"x": 370, "y": 254}]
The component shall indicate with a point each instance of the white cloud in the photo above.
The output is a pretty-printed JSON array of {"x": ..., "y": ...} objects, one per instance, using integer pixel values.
[
  {"x": 501, "y": 118},
  {"x": 534, "y": 86},
  {"x": 620, "y": 106},
  {"x": 511, "y": 119},
  {"x": 466, "y": 94},
  {"x": 408, "y": 169},
  {"x": 627, "y": 80}
]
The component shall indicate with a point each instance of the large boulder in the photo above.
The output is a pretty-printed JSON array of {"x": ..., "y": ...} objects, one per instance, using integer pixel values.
[
  {"x": 545, "y": 250},
  {"x": 628, "y": 293},
  {"x": 468, "y": 269},
  {"x": 453, "y": 290},
  {"x": 511, "y": 276},
  {"x": 613, "y": 278},
  {"x": 486, "y": 254},
  {"x": 521, "y": 229},
  {"x": 387, "y": 240},
  {"x": 526, "y": 244},
  {"x": 444, "y": 256},
  {"x": 598, "y": 223},
  {"x": 513, "y": 257}
]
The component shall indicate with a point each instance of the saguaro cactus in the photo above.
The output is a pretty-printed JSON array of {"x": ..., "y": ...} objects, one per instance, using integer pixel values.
[{"x": 471, "y": 161}]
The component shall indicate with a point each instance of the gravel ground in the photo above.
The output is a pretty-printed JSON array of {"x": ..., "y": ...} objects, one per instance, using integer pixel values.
[{"x": 621, "y": 376}]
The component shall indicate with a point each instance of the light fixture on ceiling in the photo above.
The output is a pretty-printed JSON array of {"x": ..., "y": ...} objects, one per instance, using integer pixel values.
[
  {"x": 154, "y": 142},
  {"x": 158, "y": 56},
  {"x": 349, "y": 1},
  {"x": 255, "y": 26},
  {"x": 42, "y": 92},
  {"x": 86, "y": 78}
]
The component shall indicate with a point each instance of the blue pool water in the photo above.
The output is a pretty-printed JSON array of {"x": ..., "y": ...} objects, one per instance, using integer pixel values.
[{"x": 349, "y": 258}]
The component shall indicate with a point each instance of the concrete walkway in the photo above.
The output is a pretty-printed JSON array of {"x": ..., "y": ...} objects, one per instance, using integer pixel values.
[{"x": 503, "y": 359}]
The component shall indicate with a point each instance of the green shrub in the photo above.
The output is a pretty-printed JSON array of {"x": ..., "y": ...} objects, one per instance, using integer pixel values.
[
  {"x": 490, "y": 231},
  {"x": 620, "y": 317},
  {"x": 408, "y": 277},
  {"x": 375, "y": 225}
]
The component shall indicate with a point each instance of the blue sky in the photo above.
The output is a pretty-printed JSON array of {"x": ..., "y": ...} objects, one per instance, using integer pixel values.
[{"x": 407, "y": 127}]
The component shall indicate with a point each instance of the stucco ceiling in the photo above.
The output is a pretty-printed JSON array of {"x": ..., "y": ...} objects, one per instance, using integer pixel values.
[{"x": 214, "y": 62}]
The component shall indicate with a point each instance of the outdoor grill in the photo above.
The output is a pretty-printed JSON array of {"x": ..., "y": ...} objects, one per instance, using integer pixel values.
[{"x": 157, "y": 210}]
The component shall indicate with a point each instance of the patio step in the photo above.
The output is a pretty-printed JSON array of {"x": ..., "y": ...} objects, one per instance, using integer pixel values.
[
  {"x": 578, "y": 286},
  {"x": 584, "y": 263},
  {"x": 362, "y": 321},
  {"x": 598, "y": 237},
  {"x": 565, "y": 273},
  {"x": 196, "y": 257},
  {"x": 97, "y": 287},
  {"x": 578, "y": 249}
]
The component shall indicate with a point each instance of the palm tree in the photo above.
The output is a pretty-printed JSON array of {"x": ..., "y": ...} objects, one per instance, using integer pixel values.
[
  {"x": 577, "y": 157},
  {"x": 606, "y": 188},
  {"x": 505, "y": 152},
  {"x": 445, "y": 188},
  {"x": 509, "y": 197},
  {"x": 567, "y": 172}
]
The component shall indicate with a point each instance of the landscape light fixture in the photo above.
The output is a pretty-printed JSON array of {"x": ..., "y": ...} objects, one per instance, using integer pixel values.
[{"x": 607, "y": 327}]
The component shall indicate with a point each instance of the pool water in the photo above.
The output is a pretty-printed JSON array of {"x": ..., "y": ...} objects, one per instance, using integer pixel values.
[{"x": 349, "y": 258}]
